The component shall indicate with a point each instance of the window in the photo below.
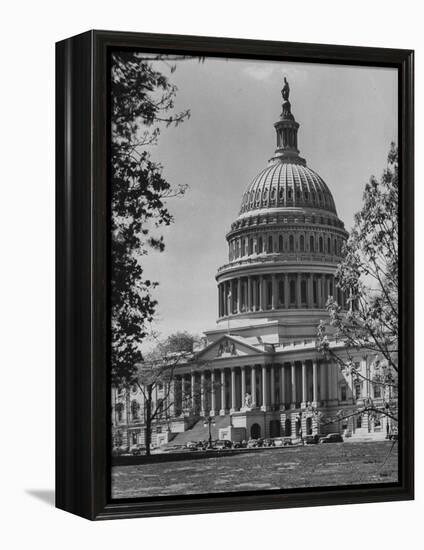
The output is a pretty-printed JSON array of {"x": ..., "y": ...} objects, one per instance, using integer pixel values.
[
  {"x": 329, "y": 245},
  {"x": 292, "y": 292},
  {"x": 280, "y": 243},
  {"x": 343, "y": 393},
  {"x": 260, "y": 245},
  {"x": 291, "y": 243},
  {"x": 311, "y": 243},
  {"x": 135, "y": 407},
  {"x": 269, "y": 244},
  {"x": 281, "y": 292},
  {"x": 321, "y": 245},
  {"x": 134, "y": 438},
  {"x": 377, "y": 391},
  {"x": 250, "y": 246},
  {"x": 357, "y": 391},
  {"x": 303, "y": 291},
  {"x": 302, "y": 243}
]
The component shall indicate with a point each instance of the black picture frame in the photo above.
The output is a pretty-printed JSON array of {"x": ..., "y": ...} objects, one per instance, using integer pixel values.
[{"x": 82, "y": 388}]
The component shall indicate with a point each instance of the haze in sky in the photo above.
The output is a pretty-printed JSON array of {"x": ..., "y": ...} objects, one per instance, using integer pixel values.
[{"x": 347, "y": 115}]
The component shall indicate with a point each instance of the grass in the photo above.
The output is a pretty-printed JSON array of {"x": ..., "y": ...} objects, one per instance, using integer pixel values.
[{"x": 279, "y": 468}]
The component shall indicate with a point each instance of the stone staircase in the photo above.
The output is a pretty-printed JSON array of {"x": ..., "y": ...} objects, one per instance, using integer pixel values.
[{"x": 199, "y": 432}]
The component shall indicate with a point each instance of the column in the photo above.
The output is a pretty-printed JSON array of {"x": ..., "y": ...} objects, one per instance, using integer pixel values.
[
  {"x": 315, "y": 382},
  {"x": 223, "y": 403},
  {"x": 233, "y": 389},
  {"x": 239, "y": 295},
  {"x": 304, "y": 385},
  {"x": 286, "y": 291},
  {"x": 274, "y": 292},
  {"x": 283, "y": 386},
  {"x": 253, "y": 385},
  {"x": 172, "y": 397},
  {"x": 243, "y": 385},
  {"x": 249, "y": 294},
  {"x": 261, "y": 293},
  {"x": 202, "y": 394},
  {"x": 272, "y": 385},
  {"x": 264, "y": 389},
  {"x": 192, "y": 395},
  {"x": 213, "y": 396},
  {"x": 293, "y": 385},
  {"x": 298, "y": 297},
  {"x": 330, "y": 385},
  {"x": 255, "y": 294}
]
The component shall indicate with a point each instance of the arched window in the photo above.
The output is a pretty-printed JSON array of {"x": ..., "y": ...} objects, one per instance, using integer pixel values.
[
  {"x": 302, "y": 243},
  {"x": 292, "y": 292},
  {"x": 329, "y": 245},
  {"x": 270, "y": 244},
  {"x": 291, "y": 243},
  {"x": 280, "y": 243},
  {"x": 250, "y": 246},
  {"x": 321, "y": 245},
  {"x": 311, "y": 243},
  {"x": 260, "y": 245}
]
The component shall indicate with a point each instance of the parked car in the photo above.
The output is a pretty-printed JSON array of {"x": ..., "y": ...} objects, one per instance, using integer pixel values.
[
  {"x": 223, "y": 444},
  {"x": 253, "y": 443},
  {"x": 138, "y": 450},
  {"x": 311, "y": 439},
  {"x": 119, "y": 451},
  {"x": 238, "y": 444},
  {"x": 192, "y": 445},
  {"x": 268, "y": 442},
  {"x": 394, "y": 435},
  {"x": 331, "y": 438}
]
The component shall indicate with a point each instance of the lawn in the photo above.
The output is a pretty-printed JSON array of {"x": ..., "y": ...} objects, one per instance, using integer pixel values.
[{"x": 278, "y": 468}]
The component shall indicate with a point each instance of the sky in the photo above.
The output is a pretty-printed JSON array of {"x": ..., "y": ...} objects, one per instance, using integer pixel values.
[{"x": 347, "y": 117}]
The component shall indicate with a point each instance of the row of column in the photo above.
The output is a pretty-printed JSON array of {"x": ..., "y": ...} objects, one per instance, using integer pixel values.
[
  {"x": 289, "y": 385},
  {"x": 283, "y": 291},
  {"x": 271, "y": 244}
]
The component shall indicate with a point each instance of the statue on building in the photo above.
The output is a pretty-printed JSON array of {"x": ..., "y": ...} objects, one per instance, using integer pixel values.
[
  {"x": 248, "y": 401},
  {"x": 285, "y": 92}
]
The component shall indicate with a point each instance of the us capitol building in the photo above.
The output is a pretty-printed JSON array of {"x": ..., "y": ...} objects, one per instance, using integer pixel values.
[{"x": 258, "y": 373}]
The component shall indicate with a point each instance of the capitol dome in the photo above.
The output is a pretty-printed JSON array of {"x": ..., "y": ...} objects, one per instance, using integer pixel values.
[
  {"x": 287, "y": 183},
  {"x": 287, "y": 240}
]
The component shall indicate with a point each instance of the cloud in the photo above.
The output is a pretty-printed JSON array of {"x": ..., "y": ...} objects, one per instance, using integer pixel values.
[{"x": 261, "y": 70}]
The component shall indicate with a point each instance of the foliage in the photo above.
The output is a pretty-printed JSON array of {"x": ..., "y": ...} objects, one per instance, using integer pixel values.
[
  {"x": 142, "y": 101},
  {"x": 156, "y": 372},
  {"x": 368, "y": 275}
]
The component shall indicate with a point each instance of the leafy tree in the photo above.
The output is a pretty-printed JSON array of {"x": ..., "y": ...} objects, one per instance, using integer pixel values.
[
  {"x": 368, "y": 275},
  {"x": 142, "y": 100},
  {"x": 156, "y": 372}
]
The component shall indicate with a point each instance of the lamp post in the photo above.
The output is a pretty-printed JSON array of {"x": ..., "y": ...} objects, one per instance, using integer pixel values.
[{"x": 209, "y": 421}]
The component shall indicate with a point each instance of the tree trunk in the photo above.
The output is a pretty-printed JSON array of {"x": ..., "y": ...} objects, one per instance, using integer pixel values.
[{"x": 148, "y": 434}]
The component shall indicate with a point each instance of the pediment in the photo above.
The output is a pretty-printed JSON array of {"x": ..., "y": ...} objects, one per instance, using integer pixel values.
[{"x": 227, "y": 347}]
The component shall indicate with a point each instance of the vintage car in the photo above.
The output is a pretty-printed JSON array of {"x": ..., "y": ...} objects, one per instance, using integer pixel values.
[
  {"x": 331, "y": 438},
  {"x": 222, "y": 444}
]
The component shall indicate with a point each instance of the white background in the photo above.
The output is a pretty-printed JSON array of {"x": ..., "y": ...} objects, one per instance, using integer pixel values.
[{"x": 28, "y": 33}]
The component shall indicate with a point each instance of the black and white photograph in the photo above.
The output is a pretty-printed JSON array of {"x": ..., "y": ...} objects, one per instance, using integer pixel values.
[{"x": 254, "y": 275}]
